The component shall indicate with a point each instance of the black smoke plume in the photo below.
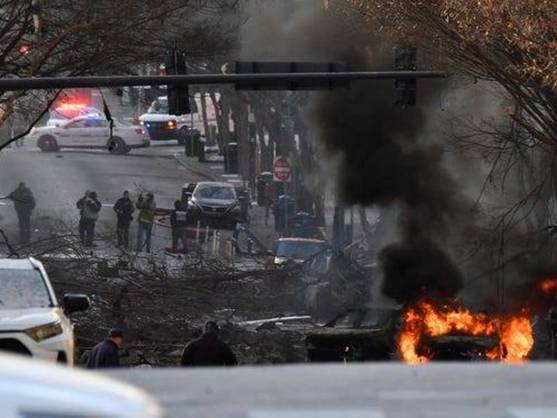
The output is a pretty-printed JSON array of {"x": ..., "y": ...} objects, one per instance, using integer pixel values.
[{"x": 390, "y": 155}]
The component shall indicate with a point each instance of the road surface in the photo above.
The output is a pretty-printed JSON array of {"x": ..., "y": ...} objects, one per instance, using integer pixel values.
[
  {"x": 389, "y": 390},
  {"x": 58, "y": 180}
]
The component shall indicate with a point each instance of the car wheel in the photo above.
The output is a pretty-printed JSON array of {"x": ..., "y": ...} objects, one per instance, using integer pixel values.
[
  {"x": 48, "y": 143},
  {"x": 117, "y": 146}
]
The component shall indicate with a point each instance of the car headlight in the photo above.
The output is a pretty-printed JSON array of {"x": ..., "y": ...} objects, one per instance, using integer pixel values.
[
  {"x": 43, "y": 332},
  {"x": 193, "y": 205}
]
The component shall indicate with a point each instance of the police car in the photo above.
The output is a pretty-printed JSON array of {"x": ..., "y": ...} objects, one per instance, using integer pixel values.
[
  {"x": 162, "y": 126},
  {"x": 90, "y": 133}
]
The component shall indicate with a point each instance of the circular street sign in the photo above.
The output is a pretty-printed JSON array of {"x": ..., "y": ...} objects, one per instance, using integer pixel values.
[{"x": 281, "y": 170}]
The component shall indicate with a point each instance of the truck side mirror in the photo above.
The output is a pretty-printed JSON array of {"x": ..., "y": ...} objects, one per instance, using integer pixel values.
[{"x": 74, "y": 302}]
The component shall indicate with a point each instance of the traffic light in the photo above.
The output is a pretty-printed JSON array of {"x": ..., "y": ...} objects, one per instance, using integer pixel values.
[
  {"x": 405, "y": 90},
  {"x": 178, "y": 96}
]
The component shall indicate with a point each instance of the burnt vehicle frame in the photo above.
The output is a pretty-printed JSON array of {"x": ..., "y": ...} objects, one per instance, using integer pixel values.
[{"x": 356, "y": 335}]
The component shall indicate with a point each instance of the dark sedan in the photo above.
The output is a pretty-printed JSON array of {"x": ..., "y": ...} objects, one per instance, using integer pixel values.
[{"x": 215, "y": 204}]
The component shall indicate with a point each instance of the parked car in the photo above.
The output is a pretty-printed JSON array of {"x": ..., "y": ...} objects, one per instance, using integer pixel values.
[
  {"x": 214, "y": 203},
  {"x": 297, "y": 250},
  {"x": 90, "y": 133},
  {"x": 362, "y": 334},
  {"x": 32, "y": 322},
  {"x": 35, "y": 389}
]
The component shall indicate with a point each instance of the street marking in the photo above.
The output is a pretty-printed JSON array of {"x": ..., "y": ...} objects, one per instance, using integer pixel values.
[
  {"x": 412, "y": 395},
  {"x": 318, "y": 413},
  {"x": 107, "y": 205},
  {"x": 533, "y": 412}
]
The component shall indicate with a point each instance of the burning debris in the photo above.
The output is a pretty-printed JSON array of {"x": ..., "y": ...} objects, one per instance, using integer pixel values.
[
  {"x": 549, "y": 287},
  {"x": 424, "y": 321}
]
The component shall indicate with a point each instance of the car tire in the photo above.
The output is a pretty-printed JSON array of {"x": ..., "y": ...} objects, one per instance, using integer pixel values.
[
  {"x": 48, "y": 143},
  {"x": 117, "y": 145}
]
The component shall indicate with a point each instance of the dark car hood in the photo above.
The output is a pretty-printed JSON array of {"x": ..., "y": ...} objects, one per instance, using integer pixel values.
[
  {"x": 214, "y": 202},
  {"x": 346, "y": 332}
]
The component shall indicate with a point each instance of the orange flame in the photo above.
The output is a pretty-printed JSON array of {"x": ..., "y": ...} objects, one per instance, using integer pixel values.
[
  {"x": 427, "y": 320},
  {"x": 548, "y": 286}
]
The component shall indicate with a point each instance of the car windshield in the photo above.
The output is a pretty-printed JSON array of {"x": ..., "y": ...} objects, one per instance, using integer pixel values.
[
  {"x": 159, "y": 107},
  {"x": 215, "y": 192},
  {"x": 21, "y": 289},
  {"x": 299, "y": 250}
]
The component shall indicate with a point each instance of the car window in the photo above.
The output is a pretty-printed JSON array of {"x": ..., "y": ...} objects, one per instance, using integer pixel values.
[
  {"x": 76, "y": 124},
  {"x": 95, "y": 123},
  {"x": 215, "y": 192},
  {"x": 159, "y": 107},
  {"x": 373, "y": 318},
  {"x": 347, "y": 320},
  {"x": 21, "y": 289},
  {"x": 294, "y": 249}
]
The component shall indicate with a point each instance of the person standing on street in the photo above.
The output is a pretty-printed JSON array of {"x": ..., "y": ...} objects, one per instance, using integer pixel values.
[
  {"x": 145, "y": 221},
  {"x": 106, "y": 354},
  {"x": 208, "y": 350},
  {"x": 89, "y": 217},
  {"x": 124, "y": 210},
  {"x": 24, "y": 203},
  {"x": 268, "y": 200},
  {"x": 178, "y": 221},
  {"x": 80, "y": 205}
]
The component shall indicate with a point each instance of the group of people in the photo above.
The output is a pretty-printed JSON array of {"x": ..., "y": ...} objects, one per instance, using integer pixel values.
[
  {"x": 89, "y": 207},
  {"x": 207, "y": 350}
]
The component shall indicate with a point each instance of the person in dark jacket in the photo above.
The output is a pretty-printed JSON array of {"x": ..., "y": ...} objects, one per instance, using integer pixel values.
[
  {"x": 80, "y": 205},
  {"x": 124, "y": 210},
  {"x": 89, "y": 210},
  {"x": 106, "y": 354},
  {"x": 145, "y": 220},
  {"x": 24, "y": 203},
  {"x": 178, "y": 221},
  {"x": 208, "y": 350}
]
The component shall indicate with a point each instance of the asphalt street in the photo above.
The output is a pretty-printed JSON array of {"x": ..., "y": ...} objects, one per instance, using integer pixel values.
[
  {"x": 374, "y": 390},
  {"x": 58, "y": 180}
]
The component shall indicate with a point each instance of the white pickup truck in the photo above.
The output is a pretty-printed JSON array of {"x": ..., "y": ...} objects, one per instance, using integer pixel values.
[{"x": 162, "y": 126}]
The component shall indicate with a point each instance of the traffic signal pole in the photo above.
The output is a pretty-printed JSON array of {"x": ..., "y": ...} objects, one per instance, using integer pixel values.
[{"x": 46, "y": 83}]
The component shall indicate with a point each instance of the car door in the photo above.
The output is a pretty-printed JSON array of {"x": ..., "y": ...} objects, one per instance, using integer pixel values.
[
  {"x": 72, "y": 134},
  {"x": 97, "y": 133}
]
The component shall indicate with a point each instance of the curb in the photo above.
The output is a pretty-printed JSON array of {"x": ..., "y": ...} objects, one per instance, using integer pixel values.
[{"x": 203, "y": 173}]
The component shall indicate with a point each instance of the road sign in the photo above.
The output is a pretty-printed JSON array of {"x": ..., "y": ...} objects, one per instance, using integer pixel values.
[{"x": 281, "y": 170}]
